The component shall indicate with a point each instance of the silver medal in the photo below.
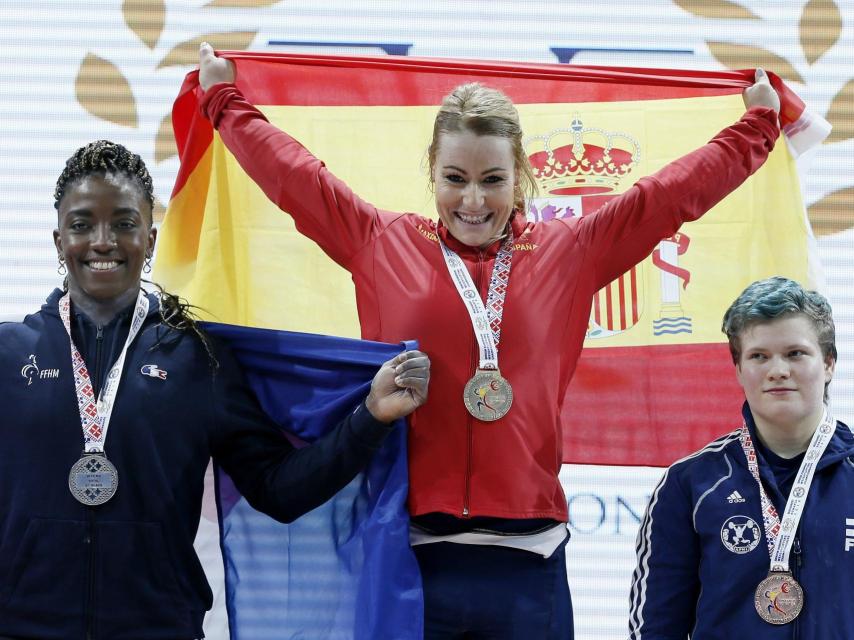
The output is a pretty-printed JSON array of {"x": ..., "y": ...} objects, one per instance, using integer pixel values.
[{"x": 93, "y": 480}]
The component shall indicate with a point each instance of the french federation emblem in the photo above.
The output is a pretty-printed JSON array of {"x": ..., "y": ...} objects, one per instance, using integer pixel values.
[
  {"x": 30, "y": 370},
  {"x": 740, "y": 534}
]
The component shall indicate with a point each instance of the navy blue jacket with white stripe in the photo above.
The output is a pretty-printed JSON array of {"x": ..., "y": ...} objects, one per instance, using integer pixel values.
[
  {"x": 127, "y": 570},
  {"x": 702, "y": 548}
]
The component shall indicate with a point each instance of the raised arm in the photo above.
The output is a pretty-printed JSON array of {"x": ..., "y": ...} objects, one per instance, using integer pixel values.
[
  {"x": 627, "y": 229},
  {"x": 324, "y": 208},
  {"x": 285, "y": 482}
]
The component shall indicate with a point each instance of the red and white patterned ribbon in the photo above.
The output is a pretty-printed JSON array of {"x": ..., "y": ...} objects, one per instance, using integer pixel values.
[
  {"x": 95, "y": 414},
  {"x": 485, "y": 320},
  {"x": 780, "y": 534}
]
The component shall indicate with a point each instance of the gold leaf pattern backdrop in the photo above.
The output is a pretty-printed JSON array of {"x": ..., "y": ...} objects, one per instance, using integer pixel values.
[
  {"x": 104, "y": 92},
  {"x": 833, "y": 213},
  {"x": 819, "y": 29},
  {"x": 720, "y": 9},
  {"x": 742, "y": 56},
  {"x": 164, "y": 143},
  {"x": 841, "y": 114},
  {"x": 145, "y": 18}
]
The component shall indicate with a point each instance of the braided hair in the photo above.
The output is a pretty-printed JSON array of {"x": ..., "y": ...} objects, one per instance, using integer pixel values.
[{"x": 102, "y": 158}]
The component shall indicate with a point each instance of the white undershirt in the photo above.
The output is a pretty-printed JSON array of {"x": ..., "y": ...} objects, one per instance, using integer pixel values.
[{"x": 543, "y": 543}]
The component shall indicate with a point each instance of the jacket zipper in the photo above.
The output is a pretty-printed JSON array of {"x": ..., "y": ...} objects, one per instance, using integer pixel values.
[
  {"x": 90, "y": 592},
  {"x": 796, "y": 549},
  {"x": 475, "y": 361},
  {"x": 796, "y": 570},
  {"x": 469, "y": 447},
  {"x": 99, "y": 341},
  {"x": 90, "y": 535}
]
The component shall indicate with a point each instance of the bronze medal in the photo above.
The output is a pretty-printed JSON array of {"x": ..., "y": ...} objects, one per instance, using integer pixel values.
[
  {"x": 779, "y": 598},
  {"x": 487, "y": 395},
  {"x": 93, "y": 480}
]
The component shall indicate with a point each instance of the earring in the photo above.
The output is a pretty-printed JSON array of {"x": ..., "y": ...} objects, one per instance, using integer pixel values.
[
  {"x": 146, "y": 267},
  {"x": 61, "y": 269}
]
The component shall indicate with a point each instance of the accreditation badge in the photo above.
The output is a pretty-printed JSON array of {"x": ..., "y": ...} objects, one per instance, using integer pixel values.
[
  {"x": 779, "y": 598},
  {"x": 487, "y": 395},
  {"x": 93, "y": 480}
]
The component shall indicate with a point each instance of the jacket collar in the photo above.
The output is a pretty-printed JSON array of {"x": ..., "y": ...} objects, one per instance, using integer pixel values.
[
  {"x": 841, "y": 445},
  {"x": 51, "y": 305}
]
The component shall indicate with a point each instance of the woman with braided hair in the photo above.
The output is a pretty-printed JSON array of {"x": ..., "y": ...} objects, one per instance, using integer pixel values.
[
  {"x": 106, "y": 157},
  {"x": 96, "y": 532}
]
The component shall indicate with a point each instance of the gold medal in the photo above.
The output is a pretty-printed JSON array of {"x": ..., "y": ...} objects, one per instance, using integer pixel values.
[
  {"x": 487, "y": 395},
  {"x": 779, "y": 598}
]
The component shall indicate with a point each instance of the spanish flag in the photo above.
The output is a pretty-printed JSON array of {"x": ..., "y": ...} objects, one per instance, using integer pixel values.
[
  {"x": 655, "y": 380},
  {"x": 655, "y": 374}
]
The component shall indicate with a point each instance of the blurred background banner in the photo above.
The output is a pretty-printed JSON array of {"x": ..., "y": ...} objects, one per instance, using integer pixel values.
[{"x": 74, "y": 72}]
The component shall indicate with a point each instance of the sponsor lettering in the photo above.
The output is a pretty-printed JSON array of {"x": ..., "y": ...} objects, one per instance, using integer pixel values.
[
  {"x": 427, "y": 234},
  {"x": 849, "y": 534}
]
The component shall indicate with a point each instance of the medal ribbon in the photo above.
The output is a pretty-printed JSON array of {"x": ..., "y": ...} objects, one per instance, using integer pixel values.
[
  {"x": 485, "y": 320},
  {"x": 95, "y": 415},
  {"x": 780, "y": 534}
]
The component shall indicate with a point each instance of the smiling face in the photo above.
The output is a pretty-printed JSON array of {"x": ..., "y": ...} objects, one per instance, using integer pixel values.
[
  {"x": 783, "y": 373},
  {"x": 475, "y": 178},
  {"x": 105, "y": 234}
]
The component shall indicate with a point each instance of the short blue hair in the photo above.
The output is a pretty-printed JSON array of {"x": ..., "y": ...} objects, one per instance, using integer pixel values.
[{"x": 766, "y": 300}]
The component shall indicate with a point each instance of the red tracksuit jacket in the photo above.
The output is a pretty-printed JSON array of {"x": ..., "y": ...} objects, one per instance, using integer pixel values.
[{"x": 457, "y": 464}]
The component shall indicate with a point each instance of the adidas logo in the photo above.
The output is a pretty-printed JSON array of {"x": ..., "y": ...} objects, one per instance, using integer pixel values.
[{"x": 734, "y": 497}]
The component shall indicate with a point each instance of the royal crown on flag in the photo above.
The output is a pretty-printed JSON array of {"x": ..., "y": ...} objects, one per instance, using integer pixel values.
[{"x": 581, "y": 160}]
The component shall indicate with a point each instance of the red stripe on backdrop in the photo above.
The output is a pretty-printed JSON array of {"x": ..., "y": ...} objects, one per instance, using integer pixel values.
[{"x": 649, "y": 405}]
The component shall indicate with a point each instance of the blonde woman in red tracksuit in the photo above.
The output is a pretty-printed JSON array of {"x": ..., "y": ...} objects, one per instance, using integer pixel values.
[{"x": 487, "y": 509}]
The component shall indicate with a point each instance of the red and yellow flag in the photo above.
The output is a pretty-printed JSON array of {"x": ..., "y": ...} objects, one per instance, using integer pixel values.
[{"x": 655, "y": 380}]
